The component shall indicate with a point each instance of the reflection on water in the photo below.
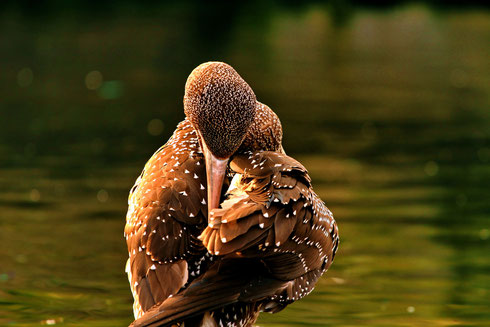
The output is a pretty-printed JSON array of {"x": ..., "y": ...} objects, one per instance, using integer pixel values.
[{"x": 387, "y": 109}]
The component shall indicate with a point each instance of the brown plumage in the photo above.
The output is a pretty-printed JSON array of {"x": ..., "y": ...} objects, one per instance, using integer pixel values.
[
  {"x": 272, "y": 209},
  {"x": 265, "y": 132},
  {"x": 274, "y": 238},
  {"x": 167, "y": 211},
  {"x": 264, "y": 248},
  {"x": 220, "y": 105}
]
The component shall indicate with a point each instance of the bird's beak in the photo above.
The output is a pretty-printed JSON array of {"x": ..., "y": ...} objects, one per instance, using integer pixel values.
[{"x": 215, "y": 174}]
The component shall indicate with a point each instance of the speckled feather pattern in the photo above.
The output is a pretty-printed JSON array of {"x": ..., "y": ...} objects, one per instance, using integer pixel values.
[
  {"x": 265, "y": 132},
  {"x": 221, "y": 105},
  {"x": 264, "y": 248},
  {"x": 167, "y": 211},
  {"x": 273, "y": 221},
  {"x": 274, "y": 215}
]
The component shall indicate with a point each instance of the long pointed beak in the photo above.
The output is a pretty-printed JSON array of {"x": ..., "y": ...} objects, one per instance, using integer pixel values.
[{"x": 215, "y": 174}]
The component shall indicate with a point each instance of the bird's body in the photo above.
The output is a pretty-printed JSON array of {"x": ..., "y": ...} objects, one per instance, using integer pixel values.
[
  {"x": 193, "y": 263},
  {"x": 274, "y": 238}
]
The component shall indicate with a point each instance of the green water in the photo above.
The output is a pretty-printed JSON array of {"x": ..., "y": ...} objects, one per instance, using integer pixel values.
[{"x": 388, "y": 109}]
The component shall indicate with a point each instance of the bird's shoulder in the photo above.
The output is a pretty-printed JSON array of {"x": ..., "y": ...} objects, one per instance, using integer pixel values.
[{"x": 172, "y": 182}]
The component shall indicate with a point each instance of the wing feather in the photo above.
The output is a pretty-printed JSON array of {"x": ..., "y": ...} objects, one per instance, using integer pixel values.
[
  {"x": 272, "y": 213},
  {"x": 164, "y": 218}
]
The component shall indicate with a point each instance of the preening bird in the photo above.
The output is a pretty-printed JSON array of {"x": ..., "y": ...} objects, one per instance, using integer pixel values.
[{"x": 222, "y": 224}]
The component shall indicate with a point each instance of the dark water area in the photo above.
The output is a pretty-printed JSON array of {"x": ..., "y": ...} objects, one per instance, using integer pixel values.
[{"x": 388, "y": 109}]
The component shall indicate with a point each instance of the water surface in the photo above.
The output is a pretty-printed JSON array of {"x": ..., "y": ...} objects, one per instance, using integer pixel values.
[{"x": 388, "y": 110}]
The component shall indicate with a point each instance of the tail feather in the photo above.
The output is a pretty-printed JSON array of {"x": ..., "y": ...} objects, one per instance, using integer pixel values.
[{"x": 227, "y": 282}]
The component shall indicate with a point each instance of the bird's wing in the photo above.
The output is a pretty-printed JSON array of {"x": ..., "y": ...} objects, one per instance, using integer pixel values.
[
  {"x": 273, "y": 214},
  {"x": 274, "y": 236},
  {"x": 167, "y": 211}
]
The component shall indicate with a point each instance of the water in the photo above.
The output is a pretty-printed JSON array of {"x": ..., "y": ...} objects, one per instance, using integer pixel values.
[{"x": 388, "y": 109}]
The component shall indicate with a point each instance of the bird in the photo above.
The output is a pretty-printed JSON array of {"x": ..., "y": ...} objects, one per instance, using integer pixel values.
[{"x": 221, "y": 223}]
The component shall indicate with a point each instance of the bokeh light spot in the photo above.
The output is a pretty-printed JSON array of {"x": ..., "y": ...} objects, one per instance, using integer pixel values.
[
  {"x": 102, "y": 196},
  {"x": 25, "y": 76},
  {"x": 52, "y": 321},
  {"x": 410, "y": 309},
  {"x": 431, "y": 168},
  {"x": 93, "y": 80},
  {"x": 21, "y": 258},
  {"x": 35, "y": 195},
  {"x": 155, "y": 127}
]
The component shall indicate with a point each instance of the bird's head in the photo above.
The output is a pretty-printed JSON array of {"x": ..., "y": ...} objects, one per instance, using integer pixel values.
[
  {"x": 265, "y": 132},
  {"x": 221, "y": 106}
]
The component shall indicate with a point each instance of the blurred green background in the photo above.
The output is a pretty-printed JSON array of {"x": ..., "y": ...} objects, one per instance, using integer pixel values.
[{"x": 386, "y": 103}]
